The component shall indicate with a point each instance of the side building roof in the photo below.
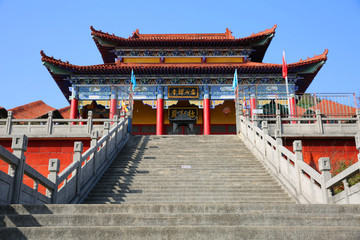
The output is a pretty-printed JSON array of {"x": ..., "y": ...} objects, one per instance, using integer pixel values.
[
  {"x": 33, "y": 110},
  {"x": 65, "y": 112},
  {"x": 107, "y": 43},
  {"x": 305, "y": 69}
]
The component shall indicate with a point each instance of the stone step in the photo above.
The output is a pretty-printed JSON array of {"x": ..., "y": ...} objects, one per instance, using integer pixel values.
[
  {"x": 178, "y": 208},
  {"x": 184, "y": 181},
  {"x": 183, "y": 232},
  {"x": 146, "y": 185},
  {"x": 190, "y": 219},
  {"x": 173, "y": 190},
  {"x": 188, "y": 177},
  {"x": 177, "y": 164},
  {"x": 190, "y": 199},
  {"x": 186, "y": 196},
  {"x": 195, "y": 188}
]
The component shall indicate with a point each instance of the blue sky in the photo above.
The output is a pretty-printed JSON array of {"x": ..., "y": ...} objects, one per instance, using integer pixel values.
[{"x": 62, "y": 30}]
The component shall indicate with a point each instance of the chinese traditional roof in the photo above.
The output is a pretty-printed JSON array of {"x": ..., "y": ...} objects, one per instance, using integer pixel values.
[
  {"x": 306, "y": 69},
  {"x": 65, "y": 112},
  {"x": 300, "y": 111},
  {"x": 334, "y": 109},
  {"x": 37, "y": 109},
  {"x": 106, "y": 42}
]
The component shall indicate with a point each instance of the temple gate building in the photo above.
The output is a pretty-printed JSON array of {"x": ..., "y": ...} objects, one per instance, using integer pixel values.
[{"x": 183, "y": 81}]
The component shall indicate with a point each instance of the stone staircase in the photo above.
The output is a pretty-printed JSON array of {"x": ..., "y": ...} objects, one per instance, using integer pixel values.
[
  {"x": 183, "y": 187},
  {"x": 186, "y": 169}
]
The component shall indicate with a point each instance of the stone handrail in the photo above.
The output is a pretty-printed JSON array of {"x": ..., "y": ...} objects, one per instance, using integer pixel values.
[
  {"x": 12, "y": 188},
  {"x": 302, "y": 181},
  {"x": 316, "y": 126},
  {"x": 50, "y": 127},
  {"x": 74, "y": 183},
  {"x": 79, "y": 177}
]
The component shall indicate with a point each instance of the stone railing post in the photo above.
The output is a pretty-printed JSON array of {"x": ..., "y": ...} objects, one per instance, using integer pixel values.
[
  {"x": 346, "y": 190},
  {"x": 265, "y": 127},
  {"x": 117, "y": 132},
  {"x": 116, "y": 119},
  {"x": 238, "y": 114},
  {"x": 297, "y": 147},
  {"x": 319, "y": 122},
  {"x": 9, "y": 122},
  {"x": 357, "y": 142},
  {"x": 358, "y": 118},
  {"x": 19, "y": 146},
  {"x": 49, "y": 123},
  {"x": 94, "y": 143},
  {"x": 89, "y": 122},
  {"x": 54, "y": 168},
  {"x": 240, "y": 110},
  {"x": 278, "y": 136},
  {"x": 279, "y": 142},
  {"x": 278, "y": 122},
  {"x": 106, "y": 132},
  {"x": 247, "y": 115},
  {"x": 78, "y": 149},
  {"x": 255, "y": 119},
  {"x": 324, "y": 167}
]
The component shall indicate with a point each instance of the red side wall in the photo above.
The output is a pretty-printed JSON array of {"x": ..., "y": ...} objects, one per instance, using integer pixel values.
[
  {"x": 39, "y": 151},
  {"x": 336, "y": 149}
]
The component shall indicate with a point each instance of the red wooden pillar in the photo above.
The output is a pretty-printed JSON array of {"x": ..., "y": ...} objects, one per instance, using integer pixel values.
[
  {"x": 206, "y": 114},
  {"x": 292, "y": 106},
  {"x": 252, "y": 104},
  {"x": 113, "y": 105},
  {"x": 74, "y": 111},
  {"x": 160, "y": 115}
]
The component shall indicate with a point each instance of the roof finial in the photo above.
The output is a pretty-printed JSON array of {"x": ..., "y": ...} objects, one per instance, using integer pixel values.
[
  {"x": 136, "y": 33},
  {"x": 228, "y": 33}
]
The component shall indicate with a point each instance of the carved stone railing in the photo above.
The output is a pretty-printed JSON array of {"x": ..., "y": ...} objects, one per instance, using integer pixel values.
[
  {"x": 302, "y": 181},
  {"x": 71, "y": 185},
  {"x": 12, "y": 188},
  {"x": 311, "y": 127},
  {"x": 50, "y": 127}
]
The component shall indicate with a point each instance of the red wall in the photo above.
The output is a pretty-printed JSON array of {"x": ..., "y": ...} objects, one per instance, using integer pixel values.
[
  {"x": 336, "y": 149},
  {"x": 39, "y": 151}
]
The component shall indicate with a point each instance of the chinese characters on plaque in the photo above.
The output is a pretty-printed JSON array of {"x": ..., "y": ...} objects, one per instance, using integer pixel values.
[
  {"x": 190, "y": 113},
  {"x": 183, "y": 92}
]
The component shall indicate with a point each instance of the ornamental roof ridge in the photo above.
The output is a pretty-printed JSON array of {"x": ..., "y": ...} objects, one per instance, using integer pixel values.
[
  {"x": 226, "y": 35},
  {"x": 136, "y": 36}
]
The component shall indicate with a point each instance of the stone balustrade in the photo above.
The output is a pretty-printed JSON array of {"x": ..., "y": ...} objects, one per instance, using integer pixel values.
[
  {"x": 72, "y": 184},
  {"x": 50, "y": 127},
  {"x": 302, "y": 181}
]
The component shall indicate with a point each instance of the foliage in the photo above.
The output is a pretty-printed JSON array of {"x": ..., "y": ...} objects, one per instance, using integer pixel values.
[
  {"x": 339, "y": 167},
  {"x": 307, "y": 100},
  {"x": 269, "y": 109}
]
